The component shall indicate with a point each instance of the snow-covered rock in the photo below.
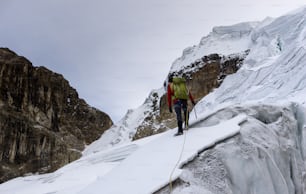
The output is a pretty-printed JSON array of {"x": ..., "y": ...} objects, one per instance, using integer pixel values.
[
  {"x": 153, "y": 115},
  {"x": 273, "y": 70}
]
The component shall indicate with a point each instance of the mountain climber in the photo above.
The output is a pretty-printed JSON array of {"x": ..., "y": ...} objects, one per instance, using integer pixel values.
[{"x": 178, "y": 94}]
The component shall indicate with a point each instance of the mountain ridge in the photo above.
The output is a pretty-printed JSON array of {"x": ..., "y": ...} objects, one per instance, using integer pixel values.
[{"x": 264, "y": 43}]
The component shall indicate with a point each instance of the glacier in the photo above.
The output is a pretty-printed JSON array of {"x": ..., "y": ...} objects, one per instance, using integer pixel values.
[
  {"x": 267, "y": 156},
  {"x": 264, "y": 154}
]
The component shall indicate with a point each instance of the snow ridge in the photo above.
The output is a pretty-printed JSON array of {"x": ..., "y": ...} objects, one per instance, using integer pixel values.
[
  {"x": 274, "y": 54},
  {"x": 273, "y": 71}
]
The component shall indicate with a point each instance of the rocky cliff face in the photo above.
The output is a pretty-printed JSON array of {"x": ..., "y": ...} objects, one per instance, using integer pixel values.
[
  {"x": 43, "y": 123},
  {"x": 204, "y": 75}
]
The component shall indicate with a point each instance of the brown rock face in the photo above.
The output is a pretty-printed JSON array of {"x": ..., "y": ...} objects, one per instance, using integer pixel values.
[
  {"x": 43, "y": 123},
  {"x": 204, "y": 75}
]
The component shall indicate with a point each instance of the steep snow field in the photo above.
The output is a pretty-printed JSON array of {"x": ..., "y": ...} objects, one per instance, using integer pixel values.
[
  {"x": 149, "y": 168},
  {"x": 277, "y": 52},
  {"x": 267, "y": 155}
]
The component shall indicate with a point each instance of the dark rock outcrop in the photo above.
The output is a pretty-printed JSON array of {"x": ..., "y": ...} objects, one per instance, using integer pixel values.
[
  {"x": 204, "y": 75},
  {"x": 43, "y": 123}
]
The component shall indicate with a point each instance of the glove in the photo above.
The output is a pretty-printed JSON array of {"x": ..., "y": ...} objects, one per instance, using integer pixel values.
[{"x": 170, "y": 110}]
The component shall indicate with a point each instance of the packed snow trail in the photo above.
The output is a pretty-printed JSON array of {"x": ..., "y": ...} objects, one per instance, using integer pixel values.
[{"x": 161, "y": 156}]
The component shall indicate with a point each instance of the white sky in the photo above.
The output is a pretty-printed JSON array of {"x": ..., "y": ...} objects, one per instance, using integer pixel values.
[{"x": 114, "y": 52}]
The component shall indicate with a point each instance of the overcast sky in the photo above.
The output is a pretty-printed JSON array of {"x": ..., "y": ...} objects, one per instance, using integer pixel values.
[{"x": 115, "y": 52}]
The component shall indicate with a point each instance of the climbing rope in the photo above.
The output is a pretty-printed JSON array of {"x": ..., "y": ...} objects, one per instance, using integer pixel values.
[{"x": 181, "y": 154}]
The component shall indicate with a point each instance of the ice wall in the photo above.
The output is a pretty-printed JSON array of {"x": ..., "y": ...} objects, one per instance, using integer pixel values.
[{"x": 267, "y": 157}]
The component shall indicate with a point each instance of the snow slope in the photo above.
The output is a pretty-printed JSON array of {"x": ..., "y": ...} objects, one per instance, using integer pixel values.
[
  {"x": 76, "y": 175},
  {"x": 273, "y": 72},
  {"x": 275, "y": 68},
  {"x": 163, "y": 153},
  {"x": 277, "y": 52},
  {"x": 125, "y": 129},
  {"x": 142, "y": 166},
  {"x": 224, "y": 40}
]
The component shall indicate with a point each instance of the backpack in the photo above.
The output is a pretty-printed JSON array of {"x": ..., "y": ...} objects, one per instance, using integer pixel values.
[{"x": 179, "y": 88}]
